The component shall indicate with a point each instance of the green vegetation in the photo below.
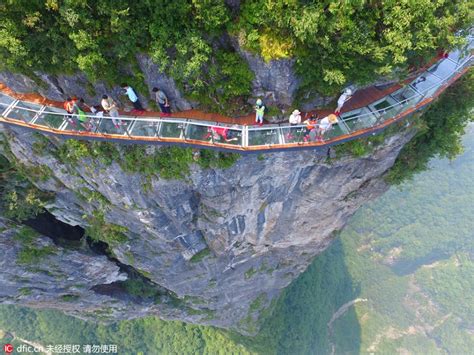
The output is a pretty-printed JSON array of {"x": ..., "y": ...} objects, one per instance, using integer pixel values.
[
  {"x": 72, "y": 151},
  {"x": 249, "y": 273},
  {"x": 91, "y": 196},
  {"x": 333, "y": 43},
  {"x": 166, "y": 162},
  {"x": 69, "y": 298},
  {"x": 143, "y": 336},
  {"x": 410, "y": 252},
  {"x": 363, "y": 146},
  {"x": 26, "y": 235},
  {"x": 200, "y": 255},
  {"x": 99, "y": 230},
  {"x": 212, "y": 159},
  {"x": 139, "y": 288},
  {"x": 258, "y": 303},
  {"x": 24, "y": 291},
  {"x": 440, "y": 130},
  {"x": 19, "y": 199},
  {"x": 31, "y": 255},
  {"x": 30, "y": 252}
]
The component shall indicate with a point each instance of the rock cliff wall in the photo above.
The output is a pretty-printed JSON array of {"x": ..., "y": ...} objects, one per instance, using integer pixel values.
[{"x": 222, "y": 244}]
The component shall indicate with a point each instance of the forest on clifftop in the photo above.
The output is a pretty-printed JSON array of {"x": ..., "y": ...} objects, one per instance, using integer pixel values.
[{"x": 197, "y": 42}]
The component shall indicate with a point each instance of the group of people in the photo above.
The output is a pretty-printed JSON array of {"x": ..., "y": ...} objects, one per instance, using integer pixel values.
[
  {"x": 77, "y": 108},
  {"x": 315, "y": 127},
  {"x": 160, "y": 98}
]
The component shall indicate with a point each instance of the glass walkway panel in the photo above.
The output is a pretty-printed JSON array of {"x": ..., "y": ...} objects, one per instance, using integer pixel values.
[
  {"x": 443, "y": 69},
  {"x": 24, "y": 111},
  {"x": 169, "y": 129},
  {"x": 359, "y": 119},
  {"x": 143, "y": 128},
  {"x": 5, "y": 101},
  {"x": 294, "y": 134},
  {"x": 337, "y": 129},
  {"x": 199, "y": 132},
  {"x": 385, "y": 108},
  {"x": 52, "y": 117},
  {"x": 264, "y": 136}
]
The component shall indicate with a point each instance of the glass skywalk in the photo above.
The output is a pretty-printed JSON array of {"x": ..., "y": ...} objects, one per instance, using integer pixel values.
[{"x": 351, "y": 125}]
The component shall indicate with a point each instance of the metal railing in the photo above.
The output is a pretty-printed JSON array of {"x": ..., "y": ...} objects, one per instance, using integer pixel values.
[{"x": 241, "y": 137}]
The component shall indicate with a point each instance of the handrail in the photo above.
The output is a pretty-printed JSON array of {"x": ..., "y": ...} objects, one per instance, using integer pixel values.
[{"x": 178, "y": 130}]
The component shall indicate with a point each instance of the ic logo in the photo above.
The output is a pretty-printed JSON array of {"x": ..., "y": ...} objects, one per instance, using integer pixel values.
[{"x": 8, "y": 348}]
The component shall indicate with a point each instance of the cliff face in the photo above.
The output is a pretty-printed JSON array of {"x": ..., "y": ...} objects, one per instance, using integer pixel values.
[{"x": 220, "y": 244}]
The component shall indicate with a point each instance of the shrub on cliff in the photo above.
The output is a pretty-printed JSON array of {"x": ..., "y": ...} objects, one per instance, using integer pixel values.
[{"x": 19, "y": 198}]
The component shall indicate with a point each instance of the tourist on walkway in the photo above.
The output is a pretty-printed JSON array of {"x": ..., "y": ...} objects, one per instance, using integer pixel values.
[
  {"x": 346, "y": 95},
  {"x": 69, "y": 107},
  {"x": 162, "y": 101},
  {"x": 79, "y": 109},
  {"x": 110, "y": 106},
  {"x": 259, "y": 112},
  {"x": 326, "y": 124},
  {"x": 311, "y": 132},
  {"x": 133, "y": 97},
  {"x": 295, "y": 118},
  {"x": 98, "y": 112},
  {"x": 221, "y": 133}
]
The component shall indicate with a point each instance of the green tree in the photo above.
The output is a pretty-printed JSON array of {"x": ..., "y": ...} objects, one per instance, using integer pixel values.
[{"x": 338, "y": 42}]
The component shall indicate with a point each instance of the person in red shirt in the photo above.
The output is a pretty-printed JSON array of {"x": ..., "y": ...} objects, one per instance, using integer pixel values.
[
  {"x": 220, "y": 133},
  {"x": 69, "y": 107}
]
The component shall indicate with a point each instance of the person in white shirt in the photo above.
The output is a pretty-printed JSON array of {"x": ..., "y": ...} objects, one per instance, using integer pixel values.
[
  {"x": 109, "y": 105},
  {"x": 295, "y": 117},
  {"x": 326, "y": 123},
  {"x": 346, "y": 95}
]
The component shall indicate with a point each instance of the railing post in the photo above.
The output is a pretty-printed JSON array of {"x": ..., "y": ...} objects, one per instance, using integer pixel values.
[
  {"x": 10, "y": 107},
  {"x": 128, "y": 128},
  {"x": 281, "y": 138},
  {"x": 157, "y": 128},
  {"x": 38, "y": 113},
  {"x": 183, "y": 127},
  {"x": 125, "y": 128},
  {"x": 245, "y": 136}
]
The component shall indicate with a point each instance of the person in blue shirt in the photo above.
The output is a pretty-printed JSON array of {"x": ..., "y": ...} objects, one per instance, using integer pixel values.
[{"x": 133, "y": 97}]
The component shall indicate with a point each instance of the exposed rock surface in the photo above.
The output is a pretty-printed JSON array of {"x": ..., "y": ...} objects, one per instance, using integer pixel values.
[
  {"x": 155, "y": 78},
  {"x": 274, "y": 81},
  {"x": 45, "y": 281},
  {"x": 258, "y": 224},
  {"x": 74, "y": 280}
]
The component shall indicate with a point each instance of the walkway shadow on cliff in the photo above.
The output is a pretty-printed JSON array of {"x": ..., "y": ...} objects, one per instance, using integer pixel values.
[{"x": 299, "y": 322}]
